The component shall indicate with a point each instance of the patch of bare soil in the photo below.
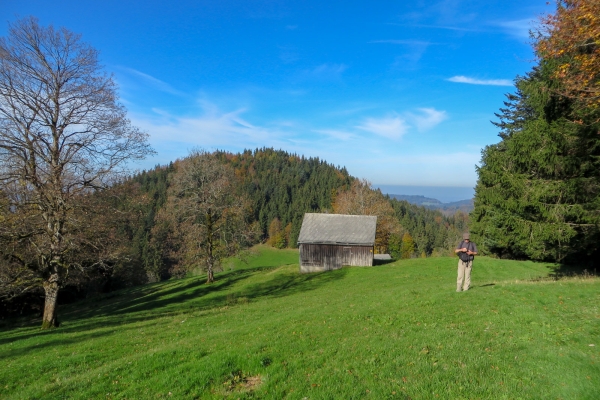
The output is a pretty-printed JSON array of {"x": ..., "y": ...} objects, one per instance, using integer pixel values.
[{"x": 239, "y": 382}]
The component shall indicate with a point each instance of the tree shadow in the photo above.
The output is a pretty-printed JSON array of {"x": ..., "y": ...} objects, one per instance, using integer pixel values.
[
  {"x": 137, "y": 299},
  {"x": 573, "y": 271},
  {"x": 383, "y": 262},
  {"x": 150, "y": 302},
  {"x": 288, "y": 284},
  {"x": 147, "y": 302}
]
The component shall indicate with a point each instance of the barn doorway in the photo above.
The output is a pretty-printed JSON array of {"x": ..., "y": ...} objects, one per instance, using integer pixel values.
[{"x": 346, "y": 255}]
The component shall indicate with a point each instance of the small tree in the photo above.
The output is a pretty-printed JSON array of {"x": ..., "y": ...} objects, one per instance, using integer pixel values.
[
  {"x": 277, "y": 236},
  {"x": 395, "y": 246},
  {"x": 210, "y": 213},
  {"x": 407, "y": 248},
  {"x": 62, "y": 135}
]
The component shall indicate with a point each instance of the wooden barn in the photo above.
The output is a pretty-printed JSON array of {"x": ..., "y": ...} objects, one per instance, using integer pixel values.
[{"x": 329, "y": 241}]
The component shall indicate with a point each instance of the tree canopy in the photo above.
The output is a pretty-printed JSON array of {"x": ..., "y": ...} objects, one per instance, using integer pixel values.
[
  {"x": 62, "y": 135},
  {"x": 571, "y": 37}
]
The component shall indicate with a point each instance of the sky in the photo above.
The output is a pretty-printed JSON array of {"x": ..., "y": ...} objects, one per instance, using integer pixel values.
[{"x": 401, "y": 93}]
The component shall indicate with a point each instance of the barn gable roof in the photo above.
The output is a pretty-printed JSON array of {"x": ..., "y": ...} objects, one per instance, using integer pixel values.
[{"x": 338, "y": 229}]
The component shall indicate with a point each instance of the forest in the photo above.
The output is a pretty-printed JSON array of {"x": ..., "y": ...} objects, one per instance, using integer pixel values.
[{"x": 151, "y": 241}]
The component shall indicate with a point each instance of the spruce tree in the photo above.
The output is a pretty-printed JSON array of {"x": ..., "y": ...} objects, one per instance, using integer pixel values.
[{"x": 538, "y": 193}]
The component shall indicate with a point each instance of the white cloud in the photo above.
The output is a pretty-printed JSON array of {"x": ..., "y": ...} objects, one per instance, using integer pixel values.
[
  {"x": 475, "y": 81},
  {"x": 172, "y": 136},
  {"x": 152, "y": 81},
  {"x": 518, "y": 28},
  {"x": 389, "y": 127},
  {"x": 327, "y": 71},
  {"x": 429, "y": 118}
]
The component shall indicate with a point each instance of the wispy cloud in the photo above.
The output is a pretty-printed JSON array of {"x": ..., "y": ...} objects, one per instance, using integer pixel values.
[
  {"x": 212, "y": 128},
  {"x": 408, "y": 42},
  {"x": 327, "y": 71},
  {"x": 390, "y": 127},
  {"x": 441, "y": 27},
  {"x": 475, "y": 81},
  {"x": 415, "y": 51},
  {"x": 396, "y": 126},
  {"x": 518, "y": 28},
  {"x": 152, "y": 81},
  {"x": 428, "y": 118}
]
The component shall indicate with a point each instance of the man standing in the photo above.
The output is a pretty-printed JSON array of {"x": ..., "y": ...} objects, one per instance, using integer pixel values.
[{"x": 466, "y": 251}]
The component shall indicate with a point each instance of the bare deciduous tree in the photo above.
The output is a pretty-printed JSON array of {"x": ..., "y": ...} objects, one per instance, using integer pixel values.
[
  {"x": 211, "y": 215},
  {"x": 63, "y": 134}
]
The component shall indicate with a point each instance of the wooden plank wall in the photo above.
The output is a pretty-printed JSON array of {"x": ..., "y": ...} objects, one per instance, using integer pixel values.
[{"x": 325, "y": 257}]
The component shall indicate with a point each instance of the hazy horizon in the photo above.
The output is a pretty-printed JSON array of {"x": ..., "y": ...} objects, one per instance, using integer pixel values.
[{"x": 445, "y": 194}]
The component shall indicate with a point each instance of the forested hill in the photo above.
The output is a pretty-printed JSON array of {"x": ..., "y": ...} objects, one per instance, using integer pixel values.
[
  {"x": 147, "y": 241},
  {"x": 451, "y": 208},
  {"x": 285, "y": 186},
  {"x": 281, "y": 188}
]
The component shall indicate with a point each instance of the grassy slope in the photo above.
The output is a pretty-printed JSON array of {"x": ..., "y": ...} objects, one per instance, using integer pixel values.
[{"x": 264, "y": 331}]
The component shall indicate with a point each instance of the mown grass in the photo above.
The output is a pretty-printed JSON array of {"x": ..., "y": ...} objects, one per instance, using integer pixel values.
[{"x": 264, "y": 331}]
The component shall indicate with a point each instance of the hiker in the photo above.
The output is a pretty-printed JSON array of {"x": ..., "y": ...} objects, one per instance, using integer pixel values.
[{"x": 466, "y": 251}]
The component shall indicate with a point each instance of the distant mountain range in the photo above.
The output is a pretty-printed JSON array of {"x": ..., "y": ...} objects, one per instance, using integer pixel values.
[{"x": 465, "y": 206}]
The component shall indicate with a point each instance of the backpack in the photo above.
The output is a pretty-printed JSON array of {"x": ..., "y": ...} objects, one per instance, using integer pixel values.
[{"x": 463, "y": 255}]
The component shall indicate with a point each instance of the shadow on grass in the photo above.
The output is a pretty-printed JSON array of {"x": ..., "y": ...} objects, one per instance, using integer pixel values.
[
  {"x": 573, "y": 271},
  {"x": 383, "y": 262},
  {"x": 155, "y": 301},
  {"x": 142, "y": 300}
]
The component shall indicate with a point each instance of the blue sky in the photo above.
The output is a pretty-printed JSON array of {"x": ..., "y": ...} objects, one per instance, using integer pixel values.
[{"x": 401, "y": 93}]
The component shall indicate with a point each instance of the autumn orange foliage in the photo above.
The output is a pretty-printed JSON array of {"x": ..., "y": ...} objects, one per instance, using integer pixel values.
[
  {"x": 362, "y": 199},
  {"x": 572, "y": 37}
]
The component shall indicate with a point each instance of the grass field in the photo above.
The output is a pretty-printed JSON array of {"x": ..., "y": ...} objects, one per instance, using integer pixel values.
[{"x": 264, "y": 331}]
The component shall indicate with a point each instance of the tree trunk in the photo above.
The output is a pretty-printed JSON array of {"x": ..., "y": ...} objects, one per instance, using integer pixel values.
[
  {"x": 50, "y": 319},
  {"x": 209, "y": 248},
  {"x": 210, "y": 275}
]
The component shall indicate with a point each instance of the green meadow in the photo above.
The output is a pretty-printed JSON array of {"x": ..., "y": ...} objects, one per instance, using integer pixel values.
[{"x": 264, "y": 331}]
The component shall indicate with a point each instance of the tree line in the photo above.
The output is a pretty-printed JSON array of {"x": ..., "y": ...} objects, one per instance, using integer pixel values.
[
  {"x": 190, "y": 214},
  {"x": 279, "y": 188}
]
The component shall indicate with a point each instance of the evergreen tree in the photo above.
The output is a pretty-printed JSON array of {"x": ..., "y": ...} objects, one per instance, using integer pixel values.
[{"x": 538, "y": 192}]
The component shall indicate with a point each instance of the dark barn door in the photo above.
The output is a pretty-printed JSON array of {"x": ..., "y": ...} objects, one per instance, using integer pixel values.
[{"x": 347, "y": 256}]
